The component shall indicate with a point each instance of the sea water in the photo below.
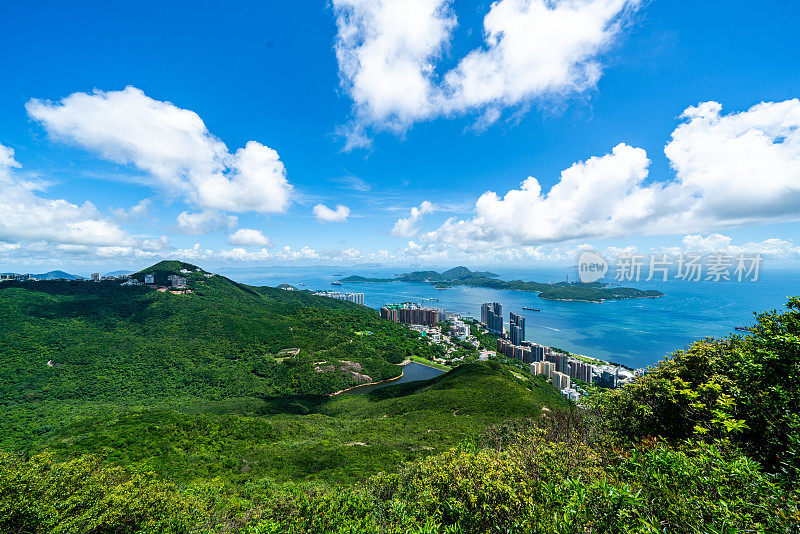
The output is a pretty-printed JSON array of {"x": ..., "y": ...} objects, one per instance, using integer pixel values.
[{"x": 634, "y": 332}]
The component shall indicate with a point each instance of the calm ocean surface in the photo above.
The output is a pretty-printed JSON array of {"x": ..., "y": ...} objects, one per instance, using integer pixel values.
[{"x": 635, "y": 332}]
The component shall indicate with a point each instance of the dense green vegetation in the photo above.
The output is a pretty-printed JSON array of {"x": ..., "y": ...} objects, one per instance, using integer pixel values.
[
  {"x": 73, "y": 348},
  {"x": 708, "y": 441},
  {"x": 590, "y": 292}
]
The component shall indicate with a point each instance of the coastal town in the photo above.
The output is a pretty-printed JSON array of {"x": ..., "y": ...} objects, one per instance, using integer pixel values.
[{"x": 461, "y": 337}]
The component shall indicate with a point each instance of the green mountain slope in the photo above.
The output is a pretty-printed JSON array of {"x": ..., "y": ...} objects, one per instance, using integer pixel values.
[
  {"x": 707, "y": 441},
  {"x": 230, "y": 377},
  {"x": 79, "y": 342},
  {"x": 337, "y": 439}
]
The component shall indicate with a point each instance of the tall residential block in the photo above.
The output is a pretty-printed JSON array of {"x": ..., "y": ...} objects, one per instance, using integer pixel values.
[
  {"x": 410, "y": 314},
  {"x": 543, "y": 368},
  {"x": 492, "y": 317},
  {"x": 357, "y": 298},
  {"x": 516, "y": 328},
  {"x": 560, "y": 380}
]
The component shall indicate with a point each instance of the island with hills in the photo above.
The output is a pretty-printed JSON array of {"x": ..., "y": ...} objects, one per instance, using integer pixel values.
[
  {"x": 128, "y": 409},
  {"x": 588, "y": 292}
]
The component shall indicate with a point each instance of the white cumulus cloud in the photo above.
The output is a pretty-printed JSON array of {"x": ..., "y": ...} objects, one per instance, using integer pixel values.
[
  {"x": 718, "y": 243},
  {"x": 205, "y": 222},
  {"x": 407, "y": 226},
  {"x": 172, "y": 145},
  {"x": 26, "y": 215},
  {"x": 324, "y": 214},
  {"x": 388, "y": 52},
  {"x": 248, "y": 237},
  {"x": 742, "y": 168}
]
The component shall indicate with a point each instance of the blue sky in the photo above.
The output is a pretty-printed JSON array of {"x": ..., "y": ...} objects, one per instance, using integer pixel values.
[{"x": 385, "y": 106}]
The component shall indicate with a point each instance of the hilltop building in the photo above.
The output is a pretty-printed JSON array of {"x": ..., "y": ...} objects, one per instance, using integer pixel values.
[
  {"x": 492, "y": 317},
  {"x": 150, "y": 279},
  {"x": 177, "y": 281},
  {"x": 13, "y": 276},
  {"x": 95, "y": 277}
]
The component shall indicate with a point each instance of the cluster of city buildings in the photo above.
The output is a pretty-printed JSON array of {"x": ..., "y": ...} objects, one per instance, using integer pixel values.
[
  {"x": 176, "y": 282},
  {"x": 16, "y": 277},
  {"x": 410, "y": 313},
  {"x": 357, "y": 298},
  {"x": 459, "y": 329},
  {"x": 531, "y": 353},
  {"x": 94, "y": 277},
  {"x": 561, "y": 369}
]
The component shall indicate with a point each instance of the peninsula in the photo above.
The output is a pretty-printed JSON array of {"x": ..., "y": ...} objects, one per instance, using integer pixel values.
[{"x": 591, "y": 292}]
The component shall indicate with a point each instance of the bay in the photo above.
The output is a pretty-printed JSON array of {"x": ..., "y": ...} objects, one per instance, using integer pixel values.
[{"x": 634, "y": 332}]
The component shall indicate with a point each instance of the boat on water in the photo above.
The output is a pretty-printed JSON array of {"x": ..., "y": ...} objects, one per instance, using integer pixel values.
[
  {"x": 301, "y": 284},
  {"x": 742, "y": 328},
  {"x": 530, "y": 309},
  {"x": 336, "y": 283}
]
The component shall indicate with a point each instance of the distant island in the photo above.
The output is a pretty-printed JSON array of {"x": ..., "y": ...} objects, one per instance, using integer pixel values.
[
  {"x": 456, "y": 274},
  {"x": 591, "y": 292}
]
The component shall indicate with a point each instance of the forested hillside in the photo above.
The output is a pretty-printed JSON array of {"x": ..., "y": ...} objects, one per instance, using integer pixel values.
[{"x": 73, "y": 349}]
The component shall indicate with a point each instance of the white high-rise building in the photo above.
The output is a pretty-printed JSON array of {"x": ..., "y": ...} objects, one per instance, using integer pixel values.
[{"x": 357, "y": 298}]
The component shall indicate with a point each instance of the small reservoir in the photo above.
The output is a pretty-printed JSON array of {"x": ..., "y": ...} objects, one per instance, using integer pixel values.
[{"x": 411, "y": 371}]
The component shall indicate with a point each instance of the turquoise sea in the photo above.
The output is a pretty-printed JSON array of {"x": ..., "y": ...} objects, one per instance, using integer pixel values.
[{"x": 636, "y": 332}]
